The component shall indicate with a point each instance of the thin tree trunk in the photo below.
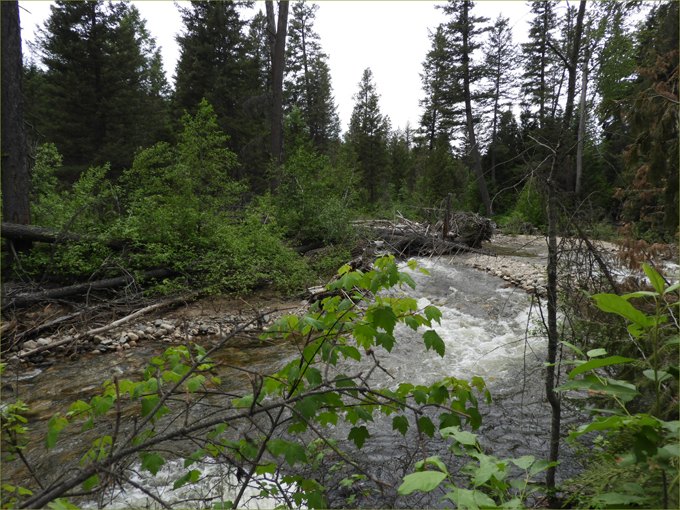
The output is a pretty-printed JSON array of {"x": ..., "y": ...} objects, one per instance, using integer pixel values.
[
  {"x": 468, "y": 114},
  {"x": 559, "y": 161},
  {"x": 15, "y": 182},
  {"x": 582, "y": 124}
]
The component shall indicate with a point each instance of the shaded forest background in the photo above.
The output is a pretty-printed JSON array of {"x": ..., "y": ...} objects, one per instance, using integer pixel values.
[{"x": 195, "y": 173}]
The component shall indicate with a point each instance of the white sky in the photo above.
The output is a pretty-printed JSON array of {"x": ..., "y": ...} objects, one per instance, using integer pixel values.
[{"x": 390, "y": 37}]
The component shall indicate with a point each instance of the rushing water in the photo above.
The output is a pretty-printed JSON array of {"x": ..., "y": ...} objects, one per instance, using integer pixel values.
[{"x": 485, "y": 325}]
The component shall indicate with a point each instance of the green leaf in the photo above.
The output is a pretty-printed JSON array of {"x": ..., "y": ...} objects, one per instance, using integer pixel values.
[
  {"x": 655, "y": 278},
  {"x": 152, "y": 462},
  {"x": 594, "y": 353},
  {"x": 618, "y": 499},
  {"x": 574, "y": 348},
  {"x": 293, "y": 452},
  {"x": 327, "y": 417},
  {"x": 616, "y": 304},
  {"x": 542, "y": 465},
  {"x": 420, "y": 396},
  {"x": 148, "y": 404},
  {"x": 400, "y": 423},
  {"x": 90, "y": 482},
  {"x": 597, "y": 363},
  {"x": 672, "y": 288},
  {"x": 426, "y": 425},
  {"x": 308, "y": 406},
  {"x": 524, "y": 462},
  {"x": 359, "y": 435},
  {"x": 424, "y": 481},
  {"x": 384, "y": 317},
  {"x": 386, "y": 340},
  {"x": 433, "y": 341},
  {"x": 192, "y": 477},
  {"x": 433, "y": 314},
  {"x": 313, "y": 376},
  {"x": 462, "y": 436},
  {"x": 465, "y": 498},
  {"x": 661, "y": 375}
]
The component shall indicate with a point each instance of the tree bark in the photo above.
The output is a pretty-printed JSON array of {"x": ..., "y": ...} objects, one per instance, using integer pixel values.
[
  {"x": 15, "y": 182},
  {"x": 468, "y": 114},
  {"x": 277, "y": 42}
]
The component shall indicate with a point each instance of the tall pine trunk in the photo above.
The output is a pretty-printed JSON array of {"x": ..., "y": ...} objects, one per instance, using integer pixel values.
[
  {"x": 16, "y": 207},
  {"x": 277, "y": 41},
  {"x": 468, "y": 114}
]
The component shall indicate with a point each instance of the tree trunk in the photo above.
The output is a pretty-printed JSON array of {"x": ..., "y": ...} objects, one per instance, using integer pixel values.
[
  {"x": 277, "y": 41},
  {"x": 16, "y": 205},
  {"x": 582, "y": 123},
  {"x": 468, "y": 114},
  {"x": 559, "y": 161},
  {"x": 29, "y": 233}
]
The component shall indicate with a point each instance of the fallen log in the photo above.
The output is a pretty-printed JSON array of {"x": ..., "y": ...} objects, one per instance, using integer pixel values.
[
  {"x": 24, "y": 299},
  {"x": 18, "y": 232}
]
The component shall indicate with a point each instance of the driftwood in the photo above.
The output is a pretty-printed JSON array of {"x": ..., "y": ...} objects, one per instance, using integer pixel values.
[
  {"x": 24, "y": 299},
  {"x": 18, "y": 232},
  {"x": 405, "y": 237},
  {"x": 421, "y": 245},
  {"x": 97, "y": 331}
]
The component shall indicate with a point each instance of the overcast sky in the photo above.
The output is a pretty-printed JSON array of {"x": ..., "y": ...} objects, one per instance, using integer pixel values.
[{"x": 390, "y": 37}]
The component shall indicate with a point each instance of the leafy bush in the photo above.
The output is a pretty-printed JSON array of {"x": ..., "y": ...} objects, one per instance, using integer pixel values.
[
  {"x": 531, "y": 203},
  {"x": 314, "y": 199}
]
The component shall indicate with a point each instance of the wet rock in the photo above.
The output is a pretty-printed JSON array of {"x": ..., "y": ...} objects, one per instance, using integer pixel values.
[{"x": 29, "y": 345}]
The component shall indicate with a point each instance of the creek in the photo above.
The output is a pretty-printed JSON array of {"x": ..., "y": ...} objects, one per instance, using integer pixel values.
[{"x": 488, "y": 331}]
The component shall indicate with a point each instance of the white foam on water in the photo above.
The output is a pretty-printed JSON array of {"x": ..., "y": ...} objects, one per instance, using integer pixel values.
[{"x": 215, "y": 484}]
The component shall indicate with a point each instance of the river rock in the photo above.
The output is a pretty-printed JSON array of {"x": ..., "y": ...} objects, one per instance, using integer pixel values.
[
  {"x": 44, "y": 341},
  {"x": 29, "y": 345},
  {"x": 132, "y": 336}
]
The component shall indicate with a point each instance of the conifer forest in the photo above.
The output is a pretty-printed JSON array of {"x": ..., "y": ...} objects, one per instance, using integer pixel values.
[{"x": 215, "y": 295}]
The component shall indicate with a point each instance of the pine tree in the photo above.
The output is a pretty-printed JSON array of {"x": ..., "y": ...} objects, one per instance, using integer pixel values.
[
  {"x": 441, "y": 117},
  {"x": 216, "y": 63},
  {"x": 540, "y": 63},
  {"x": 308, "y": 82},
  {"x": 462, "y": 33},
  {"x": 368, "y": 131},
  {"x": 500, "y": 59},
  {"x": 104, "y": 86}
]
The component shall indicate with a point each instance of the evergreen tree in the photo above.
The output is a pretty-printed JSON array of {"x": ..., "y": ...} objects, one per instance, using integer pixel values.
[
  {"x": 308, "y": 82},
  {"x": 368, "y": 131},
  {"x": 500, "y": 59},
  {"x": 104, "y": 85},
  {"x": 462, "y": 35},
  {"x": 441, "y": 117},
  {"x": 540, "y": 63},
  {"x": 652, "y": 117},
  {"x": 221, "y": 62}
]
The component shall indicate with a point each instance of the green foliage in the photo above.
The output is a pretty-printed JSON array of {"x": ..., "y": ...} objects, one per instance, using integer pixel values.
[
  {"x": 531, "y": 204},
  {"x": 488, "y": 476},
  {"x": 640, "y": 455},
  {"x": 314, "y": 198}
]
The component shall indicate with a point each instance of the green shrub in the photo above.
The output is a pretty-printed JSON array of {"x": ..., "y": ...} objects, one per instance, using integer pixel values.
[{"x": 531, "y": 203}]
